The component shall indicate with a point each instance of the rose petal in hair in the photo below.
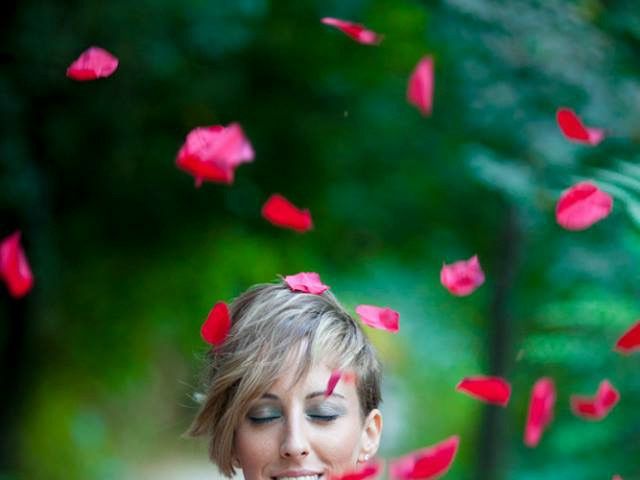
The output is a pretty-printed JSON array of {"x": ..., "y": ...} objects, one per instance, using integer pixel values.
[
  {"x": 216, "y": 327},
  {"x": 354, "y": 30},
  {"x": 93, "y": 63},
  {"x": 14, "y": 268},
  {"x": 213, "y": 153},
  {"x": 420, "y": 86},
  {"x": 494, "y": 390},
  {"x": 598, "y": 406},
  {"x": 582, "y": 205},
  {"x": 427, "y": 463},
  {"x": 306, "y": 282},
  {"x": 543, "y": 399},
  {"x": 630, "y": 341},
  {"x": 282, "y": 213},
  {"x": 572, "y": 128},
  {"x": 369, "y": 470},
  {"x": 462, "y": 277},
  {"x": 382, "y": 318}
]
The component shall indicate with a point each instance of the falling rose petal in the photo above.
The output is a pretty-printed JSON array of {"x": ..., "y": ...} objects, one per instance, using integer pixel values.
[
  {"x": 14, "y": 268},
  {"x": 582, "y": 205},
  {"x": 616, "y": 477},
  {"x": 216, "y": 327},
  {"x": 335, "y": 377},
  {"x": 426, "y": 463},
  {"x": 213, "y": 153},
  {"x": 494, "y": 390},
  {"x": 543, "y": 399},
  {"x": 93, "y": 63},
  {"x": 306, "y": 282},
  {"x": 630, "y": 340},
  {"x": 597, "y": 407},
  {"x": 368, "y": 470},
  {"x": 282, "y": 213},
  {"x": 354, "y": 30},
  {"x": 420, "y": 86},
  {"x": 462, "y": 277},
  {"x": 382, "y": 318},
  {"x": 572, "y": 128}
]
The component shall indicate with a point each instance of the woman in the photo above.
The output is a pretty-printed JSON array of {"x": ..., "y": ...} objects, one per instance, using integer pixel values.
[{"x": 265, "y": 410}]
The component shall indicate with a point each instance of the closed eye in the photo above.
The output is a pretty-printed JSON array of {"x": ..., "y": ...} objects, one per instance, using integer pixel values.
[
  {"x": 323, "y": 418},
  {"x": 262, "y": 420}
]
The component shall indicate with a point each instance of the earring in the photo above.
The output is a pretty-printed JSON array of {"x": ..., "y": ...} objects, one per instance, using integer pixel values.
[{"x": 365, "y": 457}]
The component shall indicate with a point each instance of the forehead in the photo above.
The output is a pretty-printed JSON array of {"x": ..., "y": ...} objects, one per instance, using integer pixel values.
[{"x": 315, "y": 380}]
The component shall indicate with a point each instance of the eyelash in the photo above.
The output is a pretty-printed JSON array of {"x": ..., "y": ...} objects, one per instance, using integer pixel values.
[{"x": 318, "y": 418}]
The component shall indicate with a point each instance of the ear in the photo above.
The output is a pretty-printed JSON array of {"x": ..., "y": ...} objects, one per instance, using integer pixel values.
[{"x": 370, "y": 435}]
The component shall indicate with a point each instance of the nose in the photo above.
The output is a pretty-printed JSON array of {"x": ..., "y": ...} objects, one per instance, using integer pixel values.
[{"x": 295, "y": 442}]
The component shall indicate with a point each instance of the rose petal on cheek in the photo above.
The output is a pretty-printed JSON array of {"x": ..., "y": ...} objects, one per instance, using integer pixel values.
[
  {"x": 368, "y": 470},
  {"x": 494, "y": 390},
  {"x": 426, "y": 463}
]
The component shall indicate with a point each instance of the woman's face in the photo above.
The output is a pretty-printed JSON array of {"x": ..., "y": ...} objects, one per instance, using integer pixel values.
[{"x": 293, "y": 431}]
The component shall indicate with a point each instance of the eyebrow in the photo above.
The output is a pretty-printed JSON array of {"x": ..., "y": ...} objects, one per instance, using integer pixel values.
[{"x": 271, "y": 396}]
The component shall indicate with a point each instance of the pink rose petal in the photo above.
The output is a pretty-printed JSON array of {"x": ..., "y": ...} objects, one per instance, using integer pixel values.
[
  {"x": 14, "y": 268},
  {"x": 282, "y": 213},
  {"x": 354, "y": 30},
  {"x": 369, "y": 470},
  {"x": 582, "y": 205},
  {"x": 572, "y": 128},
  {"x": 213, "y": 153},
  {"x": 598, "y": 406},
  {"x": 216, "y": 327},
  {"x": 462, "y": 277},
  {"x": 427, "y": 463},
  {"x": 335, "y": 377},
  {"x": 92, "y": 64},
  {"x": 383, "y": 318},
  {"x": 543, "y": 399},
  {"x": 306, "y": 282},
  {"x": 494, "y": 390},
  {"x": 630, "y": 341},
  {"x": 420, "y": 86}
]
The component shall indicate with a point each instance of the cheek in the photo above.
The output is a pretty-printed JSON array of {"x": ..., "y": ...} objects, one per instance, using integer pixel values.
[
  {"x": 339, "y": 448},
  {"x": 255, "y": 450}
]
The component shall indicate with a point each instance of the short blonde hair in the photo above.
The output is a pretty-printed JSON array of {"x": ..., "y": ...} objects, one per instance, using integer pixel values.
[{"x": 269, "y": 322}]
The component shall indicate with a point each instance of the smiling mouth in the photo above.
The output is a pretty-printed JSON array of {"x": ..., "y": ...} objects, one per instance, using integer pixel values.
[{"x": 302, "y": 477}]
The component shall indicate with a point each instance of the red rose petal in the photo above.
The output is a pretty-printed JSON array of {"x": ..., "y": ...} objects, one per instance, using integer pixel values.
[
  {"x": 354, "y": 30},
  {"x": 543, "y": 399},
  {"x": 213, "y": 153},
  {"x": 335, "y": 377},
  {"x": 582, "y": 205},
  {"x": 630, "y": 340},
  {"x": 494, "y": 390},
  {"x": 426, "y": 463},
  {"x": 420, "y": 86},
  {"x": 572, "y": 128},
  {"x": 216, "y": 327},
  {"x": 383, "y": 318},
  {"x": 616, "y": 477},
  {"x": 282, "y": 213},
  {"x": 14, "y": 268},
  {"x": 368, "y": 470},
  {"x": 306, "y": 282},
  {"x": 92, "y": 64},
  {"x": 463, "y": 277},
  {"x": 598, "y": 406}
]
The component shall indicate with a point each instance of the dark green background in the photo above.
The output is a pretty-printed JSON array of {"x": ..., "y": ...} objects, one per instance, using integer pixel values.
[{"x": 99, "y": 360}]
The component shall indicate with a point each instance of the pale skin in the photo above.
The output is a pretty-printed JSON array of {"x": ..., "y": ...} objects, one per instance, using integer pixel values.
[{"x": 294, "y": 431}]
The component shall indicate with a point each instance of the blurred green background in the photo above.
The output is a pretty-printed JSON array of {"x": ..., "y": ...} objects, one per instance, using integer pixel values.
[{"x": 100, "y": 359}]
